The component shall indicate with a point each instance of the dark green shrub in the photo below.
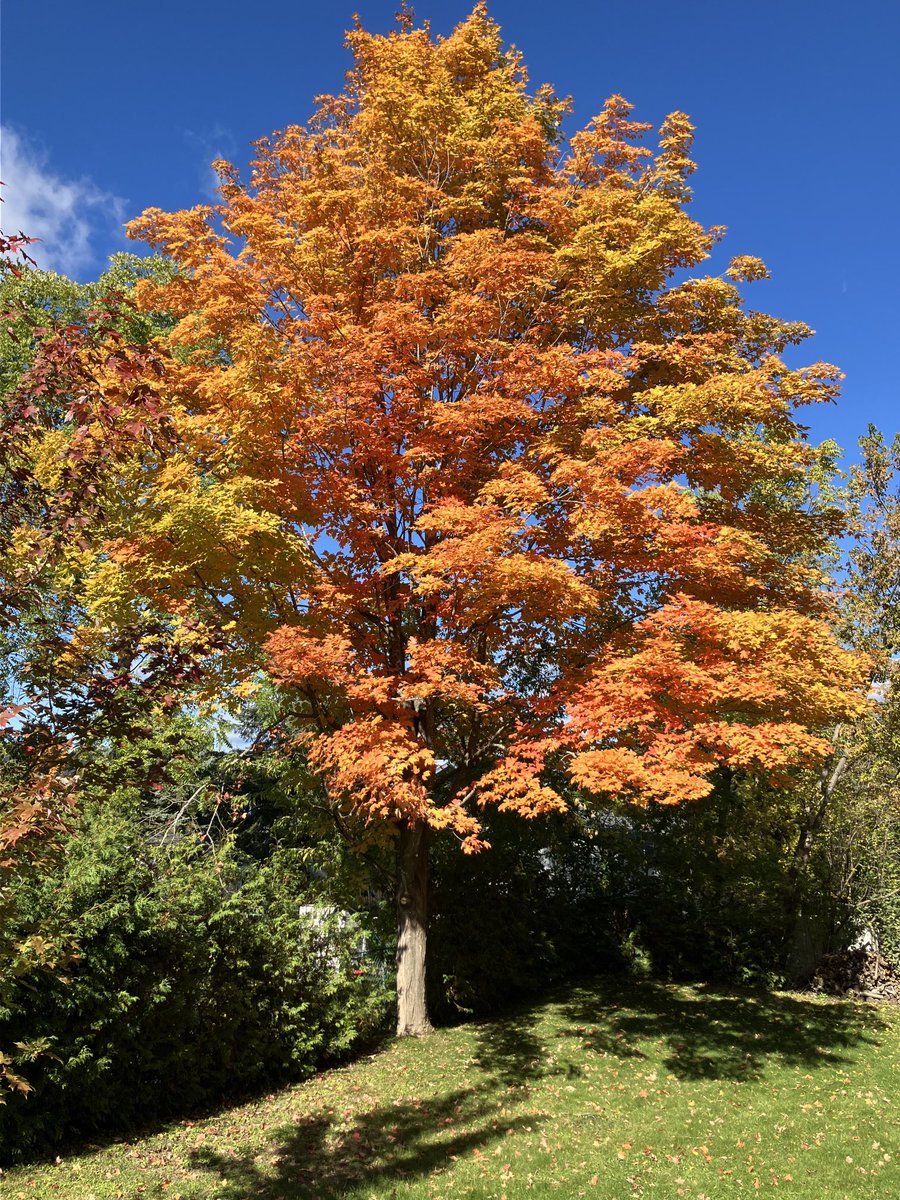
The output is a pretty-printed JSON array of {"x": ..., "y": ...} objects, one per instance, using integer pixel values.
[
  {"x": 698, "y": 890},
  {"x": 197, "y": 976},
  {"x": 514, "y": 919},
  {"x": 692, "y": 891}
]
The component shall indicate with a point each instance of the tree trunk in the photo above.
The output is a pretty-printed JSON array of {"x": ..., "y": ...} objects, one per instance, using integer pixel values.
[
  {"x": 832, "y": 774},
  {"x": 807, "y": 934},
  {"x": 412, "y": 925}
]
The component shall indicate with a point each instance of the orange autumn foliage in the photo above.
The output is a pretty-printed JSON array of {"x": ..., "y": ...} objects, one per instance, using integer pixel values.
[{"x": 534, "y": 492}]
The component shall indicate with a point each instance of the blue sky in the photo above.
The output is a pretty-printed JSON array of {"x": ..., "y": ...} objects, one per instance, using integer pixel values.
[{"x": 109, "y": 107}]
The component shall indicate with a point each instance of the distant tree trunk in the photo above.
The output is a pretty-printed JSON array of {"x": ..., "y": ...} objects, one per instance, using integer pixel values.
[
  {"x": 412, "y": 927},
  {"x": 831, "y": 775},
  {"x": 805, "y": 934}
]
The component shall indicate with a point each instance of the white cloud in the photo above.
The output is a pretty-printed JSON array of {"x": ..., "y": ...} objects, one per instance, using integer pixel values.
[
  {"x": 211, "y": 145},
  {"x": 70, "y": 216}
]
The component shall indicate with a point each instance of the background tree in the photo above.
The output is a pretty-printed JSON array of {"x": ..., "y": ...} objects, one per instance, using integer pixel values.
[
  {"x": 854, "y": 829},
  {"x": 34, "y": 802},
  {"x": 456, "y": 451},
  {"x": 50, "y": 342},
  {"x": 59, "y": 704}
]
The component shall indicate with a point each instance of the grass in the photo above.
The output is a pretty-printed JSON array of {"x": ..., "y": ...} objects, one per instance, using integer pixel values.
[{"x": 612, "y": 1091}]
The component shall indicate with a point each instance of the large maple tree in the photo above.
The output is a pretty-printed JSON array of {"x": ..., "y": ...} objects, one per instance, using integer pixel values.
[{"x": 463, "y": 451}]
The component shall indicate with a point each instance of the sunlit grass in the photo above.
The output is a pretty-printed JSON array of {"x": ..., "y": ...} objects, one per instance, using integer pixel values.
[{"x": 616, "y": 1090}]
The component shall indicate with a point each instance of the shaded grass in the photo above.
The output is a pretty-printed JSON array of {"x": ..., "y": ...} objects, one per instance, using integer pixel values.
[{"x": 620, "y": 1089}]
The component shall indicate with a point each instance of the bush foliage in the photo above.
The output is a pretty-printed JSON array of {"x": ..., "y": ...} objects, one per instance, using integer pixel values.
[{"x": 194, "y": 975}]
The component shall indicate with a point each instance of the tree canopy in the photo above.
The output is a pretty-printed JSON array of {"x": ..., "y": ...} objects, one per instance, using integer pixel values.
[{"x": 452, "y": 439}]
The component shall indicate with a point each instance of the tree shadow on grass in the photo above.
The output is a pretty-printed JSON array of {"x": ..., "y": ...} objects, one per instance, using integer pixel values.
[
  {"x": 509, "y": 1050},
  {"x": 712, "y": 1033},
  {"x": 325, "y": 1158},
  {"x": 698, "y": 1033}
]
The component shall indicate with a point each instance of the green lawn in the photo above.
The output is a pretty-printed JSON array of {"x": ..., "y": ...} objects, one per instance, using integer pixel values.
[{"x": 620, "y": 1089}]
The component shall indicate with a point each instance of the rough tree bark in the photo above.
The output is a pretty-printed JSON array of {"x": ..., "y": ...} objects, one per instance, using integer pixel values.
[{"x": 412, "y": 927}]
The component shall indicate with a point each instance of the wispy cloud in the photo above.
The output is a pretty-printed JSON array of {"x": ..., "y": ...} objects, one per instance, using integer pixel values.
[
  {"x": 210, "y": 145},
  {"x": 75, "y": 220}
]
